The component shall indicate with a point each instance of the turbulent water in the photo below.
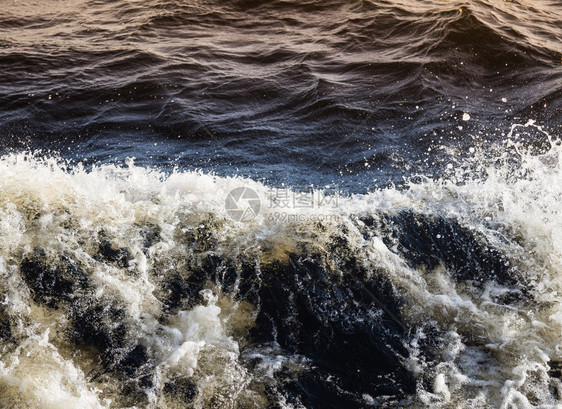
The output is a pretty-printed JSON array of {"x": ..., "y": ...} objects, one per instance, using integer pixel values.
[{"x": 312, "y": 204}]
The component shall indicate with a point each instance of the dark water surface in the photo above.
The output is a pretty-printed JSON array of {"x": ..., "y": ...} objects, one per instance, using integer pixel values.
[
  {"x": 199, "y": 274},
  {"x": 298, "y": 92}
]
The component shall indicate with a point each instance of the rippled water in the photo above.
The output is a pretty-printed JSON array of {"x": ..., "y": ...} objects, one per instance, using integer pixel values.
[
  {"x": 342, "y": 92},
  {"x": 318, "y": 204}
]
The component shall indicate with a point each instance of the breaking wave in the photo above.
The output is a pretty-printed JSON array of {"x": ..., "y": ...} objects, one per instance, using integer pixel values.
[{"x": 126, "y": 286}]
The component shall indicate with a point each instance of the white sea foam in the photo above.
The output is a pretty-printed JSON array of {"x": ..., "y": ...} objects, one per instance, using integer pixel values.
[{"x": 491, "y": 354}]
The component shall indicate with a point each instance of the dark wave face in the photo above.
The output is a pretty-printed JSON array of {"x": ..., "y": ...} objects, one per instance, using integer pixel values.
[{"x": 284, "y": 204}]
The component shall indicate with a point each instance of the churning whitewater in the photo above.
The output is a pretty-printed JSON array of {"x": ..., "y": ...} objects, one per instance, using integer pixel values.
[{"x": 127, "y": 287}]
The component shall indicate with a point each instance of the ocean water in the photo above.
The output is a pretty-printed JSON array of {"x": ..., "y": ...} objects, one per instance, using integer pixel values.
[{"x": 314, "y": 204}]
